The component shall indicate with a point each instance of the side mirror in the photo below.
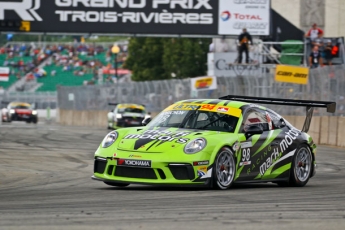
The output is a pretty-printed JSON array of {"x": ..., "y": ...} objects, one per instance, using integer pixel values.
[
  {"x": 146, "y": 121},
  {"x": 253, "y": 129}
]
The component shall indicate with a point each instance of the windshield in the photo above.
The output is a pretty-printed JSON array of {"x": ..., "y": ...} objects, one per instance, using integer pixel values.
[
  {"x": 131, "y": 110},
  {"x": 20, "y": 107},
  {"x": 195, "y": 119}
]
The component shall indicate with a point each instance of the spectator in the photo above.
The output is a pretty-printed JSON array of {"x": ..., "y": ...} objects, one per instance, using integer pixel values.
[
  {"x": 211, "y": 48},
  {"x": 315, "y": 59},
  {"x": 244, "y": 40},
  {"x": 328, "y": 52},
  {"x": 314, "y": 33}
]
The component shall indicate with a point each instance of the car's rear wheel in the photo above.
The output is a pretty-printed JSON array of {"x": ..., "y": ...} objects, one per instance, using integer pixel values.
[
  {"x": 301, "y": 167},
  {"x": 224, "y": 169},
  {"x": 116, "y": 184}
]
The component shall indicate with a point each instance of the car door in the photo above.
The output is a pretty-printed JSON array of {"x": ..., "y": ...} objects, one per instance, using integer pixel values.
[{"x": 258, "y": 148}]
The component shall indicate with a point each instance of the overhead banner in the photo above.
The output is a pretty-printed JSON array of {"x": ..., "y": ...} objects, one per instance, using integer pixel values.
[
  {"x": 292, "y": 74},
  {"x": 4, "y": 73},
  {"x": 234, "y": 15},
  {"x": 190, "y": 17},
  {"x": 135, "y": 17},
  {"x": 203, "y": 83}
]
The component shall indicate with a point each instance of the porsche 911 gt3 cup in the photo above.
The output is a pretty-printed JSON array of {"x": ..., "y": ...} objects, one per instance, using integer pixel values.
[
  {"x": 126, "y": 115},
  {"x": 19, "y": 111},
  {"x": 213, "y": 142}
]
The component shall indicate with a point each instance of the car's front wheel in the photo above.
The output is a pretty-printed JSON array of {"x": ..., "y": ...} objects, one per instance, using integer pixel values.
[
  {"x": 116, "y": 184},
  {"x": 224, "y": 169},
  {"x": 301, "y": 167}
]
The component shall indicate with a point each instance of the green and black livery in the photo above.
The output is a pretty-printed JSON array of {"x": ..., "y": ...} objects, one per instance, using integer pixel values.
[{"x": 214, "y": 142}]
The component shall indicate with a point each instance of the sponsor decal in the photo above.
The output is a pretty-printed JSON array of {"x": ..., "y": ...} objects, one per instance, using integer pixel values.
[
  {"x": 114, "y": 156},
  {"x": 201, "y": 171},
  {"x": 246, "y": 144},
  {"x": 225, "y": 15},
  {"x": 292, "y": 74},
  {"x": 270, "y": 160},
  {"x": 132, "y": 155},
  {"x": 196, "y": 163},
  {"x": 166, "y": 136},
  {"x": 136, "y": 163},
  {"x": 290, "y": 136},
  {"x": 204, "y": 107},
  {"x": 223, "y": 109}
]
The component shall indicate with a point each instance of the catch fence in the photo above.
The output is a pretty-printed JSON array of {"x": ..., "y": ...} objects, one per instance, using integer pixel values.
[{"x": 326, "y": 83}]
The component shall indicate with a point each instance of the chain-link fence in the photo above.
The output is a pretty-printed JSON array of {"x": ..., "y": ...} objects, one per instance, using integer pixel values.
[
  {"x": 327, "y": 84},
  {"x": 41, "y": 100}
]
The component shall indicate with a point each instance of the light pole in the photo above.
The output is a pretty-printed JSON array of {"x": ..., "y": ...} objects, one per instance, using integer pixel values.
[{"x": 115, "y": 50}]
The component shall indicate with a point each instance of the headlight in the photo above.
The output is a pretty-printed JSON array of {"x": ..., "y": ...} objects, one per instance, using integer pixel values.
[
  {"x": 118, "y": 116},
  {"x": 12, "y": 111},
  {"x": 109, "y": 139},
  {"x": 195, "y": 146},
  {"x": 34, "y": 112}
]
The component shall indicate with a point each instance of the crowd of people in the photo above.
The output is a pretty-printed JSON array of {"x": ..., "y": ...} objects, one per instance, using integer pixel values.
[
  {"x": 24, "y": 58},
  {"x": 78, "y": 58},
  {"x": 322, "y": 50}
]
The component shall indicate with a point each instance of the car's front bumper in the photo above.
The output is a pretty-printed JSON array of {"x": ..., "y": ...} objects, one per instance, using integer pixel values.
[{"x": 159, "y": 173}]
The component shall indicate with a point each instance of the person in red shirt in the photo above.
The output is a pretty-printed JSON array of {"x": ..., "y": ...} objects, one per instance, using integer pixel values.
[{"x": 314, "y": 33}]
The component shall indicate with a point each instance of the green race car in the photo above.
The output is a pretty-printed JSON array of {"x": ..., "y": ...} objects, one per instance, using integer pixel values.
[{"x": 211, "y": 142}]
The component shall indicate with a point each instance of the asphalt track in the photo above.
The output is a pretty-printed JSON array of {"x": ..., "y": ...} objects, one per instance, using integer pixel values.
[{"x": 45, "y": 184}]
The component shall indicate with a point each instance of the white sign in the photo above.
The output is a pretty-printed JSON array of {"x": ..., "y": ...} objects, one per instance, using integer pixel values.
[
  {"x": 223, "y": 65},
  {"x": 4, "y": 73},
  {"x": 234, "y": 15},
  {"x": 203, "y": 83}
]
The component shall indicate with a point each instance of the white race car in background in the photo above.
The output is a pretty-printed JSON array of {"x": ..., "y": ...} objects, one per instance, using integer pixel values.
[{"x": 126, "y": 115}]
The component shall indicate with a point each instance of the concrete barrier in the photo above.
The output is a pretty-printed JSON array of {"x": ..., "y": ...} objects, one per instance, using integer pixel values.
[{"x": 326, "y": 130}]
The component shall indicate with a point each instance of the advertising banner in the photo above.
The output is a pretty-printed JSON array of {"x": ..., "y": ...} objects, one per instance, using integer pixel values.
[
  {"x": 4, "y": 73},
  {"x": 191, "y": 17},
  {"x": 222, "y": 65},
  {"x": 234, "y": 15},
  {"x": 203, "y": 83},
  {"x": 292, "y": 74}
]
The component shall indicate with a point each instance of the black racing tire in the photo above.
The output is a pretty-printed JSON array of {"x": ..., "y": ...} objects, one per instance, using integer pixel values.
[
  {"x": 35, "y": 121},
  {"x": 116, "y": 184},
  {"x": 301, "y": 166},
  {"x": 28, "y": 121},
  {"x": 223, "y": 175}
]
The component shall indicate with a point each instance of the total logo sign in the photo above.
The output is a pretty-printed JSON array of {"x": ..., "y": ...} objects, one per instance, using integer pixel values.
[
  {"x": 226, "y": 15},
  {"x": 252, "y": 15}
]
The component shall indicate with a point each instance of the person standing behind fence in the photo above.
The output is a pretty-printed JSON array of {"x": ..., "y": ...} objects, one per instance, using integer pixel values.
[
  {"x": 244, "y": 40},
  {"x": 314, "y": 33},
  {"x": 315, "y": 59},
  {"x": 328, "y": 52}
]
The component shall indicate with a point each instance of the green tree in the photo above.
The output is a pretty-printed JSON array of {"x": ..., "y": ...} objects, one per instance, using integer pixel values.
[{"x": 161, "y": 58}]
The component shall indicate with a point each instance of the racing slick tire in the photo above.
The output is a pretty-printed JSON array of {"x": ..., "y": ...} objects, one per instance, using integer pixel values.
[
  {"x": 301, "y": 167},
  {"x": 34, "y": 121},
  {"x": 116, "y": 184},
  {"x": 224, "y": 169},
  {"x": 28, "y": 121}
]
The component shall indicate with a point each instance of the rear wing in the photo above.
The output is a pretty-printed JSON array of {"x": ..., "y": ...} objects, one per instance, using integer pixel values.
[{"x": 310, "y": 105}]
